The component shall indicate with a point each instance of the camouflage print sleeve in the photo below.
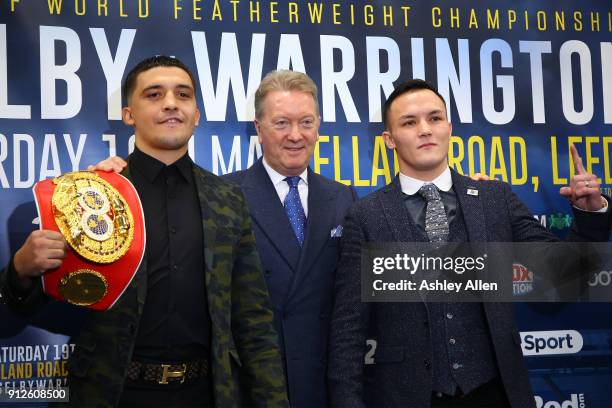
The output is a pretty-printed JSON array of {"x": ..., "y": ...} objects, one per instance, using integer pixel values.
[{"x": 252, "y": 325}]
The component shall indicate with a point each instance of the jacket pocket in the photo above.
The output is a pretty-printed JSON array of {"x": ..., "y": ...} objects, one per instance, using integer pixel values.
[{"x": 333, "y": 242}]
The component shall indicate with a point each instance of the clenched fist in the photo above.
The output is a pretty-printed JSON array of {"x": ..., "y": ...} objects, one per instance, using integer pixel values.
[{"x": 42, "y": 251}]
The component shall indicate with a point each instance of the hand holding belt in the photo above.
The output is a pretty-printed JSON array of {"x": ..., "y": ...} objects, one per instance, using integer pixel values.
[{"x": 100, "y": 216}]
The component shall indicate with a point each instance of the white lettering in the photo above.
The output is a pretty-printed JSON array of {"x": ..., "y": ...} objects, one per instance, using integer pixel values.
[
  {"x": 230, "y": 72},
  {"x": 290, "y": 53},
  {"x": 378, "y": 79},
  {"x": 8, "y": 111},
  {"x": 50, "y": 73},
  {"x": 503, "y": 82},
  {"x": 451, "y": 79},
  {"x": 113, "y": 68},
  {"x": 337, "y": 80},
  {"x": 535, "y": 49},
  {"x": 567, "y": 84}
]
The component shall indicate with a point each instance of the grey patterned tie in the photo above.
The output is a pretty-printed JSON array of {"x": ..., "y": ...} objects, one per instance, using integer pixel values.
[{"x": 436, "y": 222}]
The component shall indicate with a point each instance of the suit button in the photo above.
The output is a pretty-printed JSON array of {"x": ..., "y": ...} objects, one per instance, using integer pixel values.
[
  {"x": 425, "y": 323},
  {"x": 267, "y": 272},
  {"x": 427, "y": 363}
]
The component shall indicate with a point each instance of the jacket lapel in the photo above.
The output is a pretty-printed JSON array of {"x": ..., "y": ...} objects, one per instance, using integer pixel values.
[
  {"x": 209, "y": 230},
  {"x": 269, "y": 214},
  {"x": 471, "y": 206},
  {"x": 399, "y": 220},
  {"x": 396, "y": 214}
]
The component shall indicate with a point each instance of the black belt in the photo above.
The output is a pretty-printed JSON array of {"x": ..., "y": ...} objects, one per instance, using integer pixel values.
[{"x": 167, "y": 373}]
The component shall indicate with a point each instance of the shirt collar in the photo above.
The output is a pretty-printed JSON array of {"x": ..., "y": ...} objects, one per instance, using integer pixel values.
[
  {"x": 410, "y": 185},
  {"x": 151, "y": 168},
  {"x": 277, "y": 178},
  {"x": 185, "y": 167}
]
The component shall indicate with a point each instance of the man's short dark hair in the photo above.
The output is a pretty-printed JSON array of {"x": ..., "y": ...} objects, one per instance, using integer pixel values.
[
  {"x": 405, "y": 87},
  {"x": 152, "y": 62}
]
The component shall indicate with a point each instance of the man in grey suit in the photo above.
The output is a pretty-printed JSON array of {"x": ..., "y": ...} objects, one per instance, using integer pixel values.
[{"x": 438, "y": 354}]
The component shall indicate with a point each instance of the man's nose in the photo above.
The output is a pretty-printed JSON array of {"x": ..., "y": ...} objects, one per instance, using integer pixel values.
[
  {"x": 169, "y": 101},
  {"x": 294, "y": 132},
  {"x": 424, "y": 128}
]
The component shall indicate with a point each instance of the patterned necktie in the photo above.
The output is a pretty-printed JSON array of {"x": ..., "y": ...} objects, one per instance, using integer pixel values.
[
  {"x": 294, "y": 209},
  {"x": 436, "y": 222}
]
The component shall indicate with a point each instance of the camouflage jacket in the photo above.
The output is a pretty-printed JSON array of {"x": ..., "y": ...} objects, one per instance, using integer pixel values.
[{"x": 245, "y": 359}]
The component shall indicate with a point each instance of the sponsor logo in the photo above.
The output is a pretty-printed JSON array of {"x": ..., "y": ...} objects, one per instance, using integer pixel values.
[
  {"x": 575, "y": 401},
  {"x": 541, "y": 219},
  {"x": 559, "y": 221},
  {"x": 522, "y": 280},
  {"x": 603, "y": 278},
  {"x": 542, "y": 343}
]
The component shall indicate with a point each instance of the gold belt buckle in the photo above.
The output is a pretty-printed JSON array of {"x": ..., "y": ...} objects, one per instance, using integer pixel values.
[{"x": 172, "y": 374}]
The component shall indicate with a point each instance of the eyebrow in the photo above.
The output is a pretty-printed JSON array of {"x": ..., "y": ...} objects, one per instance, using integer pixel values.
[
  {"x": 159, "y": 86},
  {"x": 433, "y": 112},
  {"x": 286, "y": 116}
]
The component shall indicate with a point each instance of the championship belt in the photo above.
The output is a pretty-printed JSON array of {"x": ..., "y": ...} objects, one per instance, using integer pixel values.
[{"x": 100, "y": 216}]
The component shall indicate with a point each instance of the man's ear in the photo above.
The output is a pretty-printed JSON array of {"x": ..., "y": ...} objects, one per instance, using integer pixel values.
[
  {"x": 258, "y": 130},
  {"x": 126, "y": 115},
  {"x": 197, "y": 117},
  {"x": 388, "y": 138}
]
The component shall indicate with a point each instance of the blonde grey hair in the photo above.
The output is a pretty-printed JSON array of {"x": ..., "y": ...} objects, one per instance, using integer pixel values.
[{"x": 284, "y": 80}]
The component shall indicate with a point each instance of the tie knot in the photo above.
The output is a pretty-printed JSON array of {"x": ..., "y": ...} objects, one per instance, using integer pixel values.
[
  {"x": 292, "y": 181},
  {"x": 430, "y": 192}
]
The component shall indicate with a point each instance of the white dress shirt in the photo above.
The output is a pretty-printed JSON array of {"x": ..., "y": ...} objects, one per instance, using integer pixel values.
[
  {"x": 411, "y": 186},
  {"x": 282, "y": 188},
  {"x": 444, "y": 182}
]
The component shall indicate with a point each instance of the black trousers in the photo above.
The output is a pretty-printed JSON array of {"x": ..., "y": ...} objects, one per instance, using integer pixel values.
[
  {"x": 489, "y": 395},
  {"x": 196, "y": 393}
]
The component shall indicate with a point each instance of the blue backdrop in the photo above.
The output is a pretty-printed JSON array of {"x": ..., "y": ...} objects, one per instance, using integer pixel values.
[{"x": 522, "y": 81}]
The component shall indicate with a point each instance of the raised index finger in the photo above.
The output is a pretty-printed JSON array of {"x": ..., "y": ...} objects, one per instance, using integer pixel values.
[{"x": 577, "y": 160}]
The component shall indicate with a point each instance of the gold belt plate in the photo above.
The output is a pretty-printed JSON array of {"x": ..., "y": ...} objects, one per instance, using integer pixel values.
[
  {"x": 92, "y": 216},
  {"x": 83, "y": 287}
]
